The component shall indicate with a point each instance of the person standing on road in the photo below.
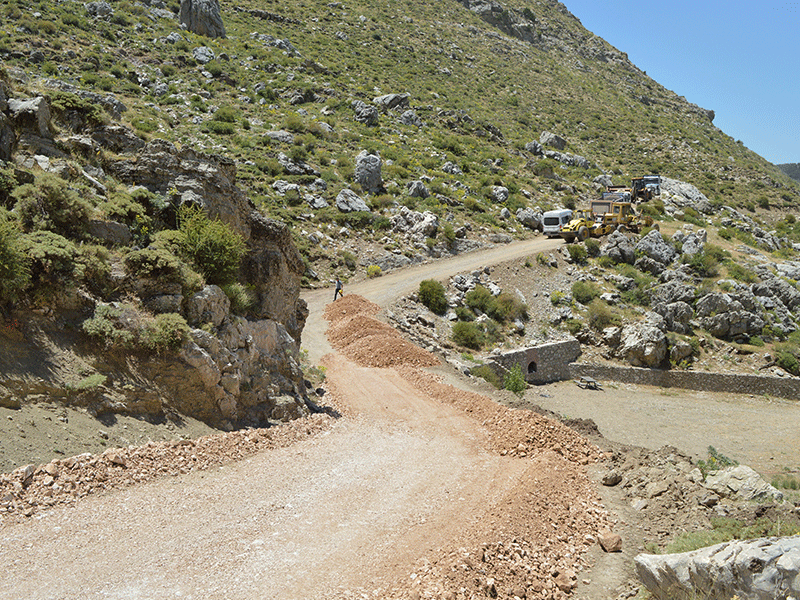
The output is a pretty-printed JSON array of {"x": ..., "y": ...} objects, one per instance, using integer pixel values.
[{"x": 338, "y": 291}]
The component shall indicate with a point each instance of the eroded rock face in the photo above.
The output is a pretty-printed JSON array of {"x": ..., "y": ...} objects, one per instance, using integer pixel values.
[
  {"x": 762, "y": 569},
  {"x": 206, "y": 180}
]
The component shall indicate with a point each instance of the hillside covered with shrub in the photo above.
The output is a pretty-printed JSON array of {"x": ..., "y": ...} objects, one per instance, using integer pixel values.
[{"x": 160, "y": 186}]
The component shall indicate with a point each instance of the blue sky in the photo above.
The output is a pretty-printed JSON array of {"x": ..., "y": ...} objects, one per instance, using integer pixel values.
[{"x": 739, "y": 59}]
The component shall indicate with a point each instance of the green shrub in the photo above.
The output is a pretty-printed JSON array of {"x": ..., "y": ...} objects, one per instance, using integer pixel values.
[
  {"x": 212, "y": 246},
  {"x": 112, "y": 325},
  {"x": 15, "y": 272},
  {"x": 65, "y": 103},
  {"x": 155, "y": 262},
  {"x": 601, "y": 315},
  {"x": 577, "y": 253},
  {"x": 787, "y": 360},
  {"x": 514, "y": 380},
  {"x": 585, "y": 291},
  {"x": 165, "y": 333},
  {"x": 464, "y": 314},
  {"x": 715, "y": 462},
  {"x": 449, "y": 233},
  {"x": 432, "y": 295},
  {"x": 605, "y": 261},
  {"x": 469, "y": 334},
  {"x": 50, "y": 204},
  {"x": 740, "y": 273},
  {"x": 89, "y": 382},
  {"x": 8, "y": 181},
  {"x": 243, "y": 297},
  {"x": 592, "y": 247},
  {"x": 502, "y": 307},
  {"x": 705, "y": 265},
  {"x": 374, "y": 271},
  {"x": 507, "y": 307},
  {"x": 349, "y": 259},
  {"x": 52, "y": 257},
  {"x": 479, "y": 299},
  {"x": 573, "y": 326},
  {"x": 488, "y": 374},
  {"x": 219, "y": 127}
]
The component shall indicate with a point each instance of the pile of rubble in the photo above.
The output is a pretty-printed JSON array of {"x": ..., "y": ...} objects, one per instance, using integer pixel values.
[{"x": 28, "y": 489}]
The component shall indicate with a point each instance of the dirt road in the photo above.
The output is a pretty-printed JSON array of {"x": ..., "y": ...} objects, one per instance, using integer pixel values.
[
  {"x": 416, "y": 491},
  {"x": 386, "y": 289},
  {"x": 365, "y": 509}
]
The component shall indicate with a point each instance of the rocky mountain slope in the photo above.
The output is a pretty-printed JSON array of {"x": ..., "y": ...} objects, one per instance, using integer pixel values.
[
  {"x": 344, "y": 139},
  {"x": 792, "y": 170}
]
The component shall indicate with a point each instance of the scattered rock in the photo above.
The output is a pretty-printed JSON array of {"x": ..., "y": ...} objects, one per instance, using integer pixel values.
[{"x": 610, "y": 541}]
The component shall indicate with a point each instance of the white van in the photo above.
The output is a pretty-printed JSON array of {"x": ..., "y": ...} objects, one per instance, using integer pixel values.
[{"x": 553, "y": 220}]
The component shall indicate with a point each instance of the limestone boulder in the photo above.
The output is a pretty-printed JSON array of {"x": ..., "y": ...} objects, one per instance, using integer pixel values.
[
  {"x": 368, "y": 172},
  {"x": 206, "y": 180},
  {"x": 530, "y": 218},
  {"x": 685, "y": 194},
  {"x": 111, "y": 232},
  {"x": 654, "y": 246},
  {"x": 743, "y": 483},
  {"x": 348, "y": 201},
  {"x": 760, "y": 569},
  {"x": 778, "y": 288},
  {"x": 673, "y": 291},
  {"x": 417, "y": 189},
  {"x": 390, "y": 101},
  {"x": 117, "y": 138},
  {"x": 366, "y": 114},
  {"x": 677, "y": 316},
  {"x": 643, "y": 345},
  {"x": 619, "y": 248},
  {"x": 534, "y": 148},
  {"x": 499, "y": 194},
  {"x": 203, "y": 55},
  {"x": 552, "y": 140},
  {"x": 410, "y": 117},
  {"x": 202, "y": 17},
  {"x": 422, "y": 224}
]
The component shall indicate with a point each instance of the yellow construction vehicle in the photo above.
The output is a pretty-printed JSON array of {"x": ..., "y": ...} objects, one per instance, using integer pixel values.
[
  {"x": 580, "y": 226},
  {"x": 603, "y": 217}
]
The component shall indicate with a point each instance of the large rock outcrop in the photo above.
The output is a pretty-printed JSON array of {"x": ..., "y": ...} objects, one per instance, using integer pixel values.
[
  {"x": 229, "y": 370},
  {"x": 202, "y": 17},
  {"x": 762, "y": 569}
]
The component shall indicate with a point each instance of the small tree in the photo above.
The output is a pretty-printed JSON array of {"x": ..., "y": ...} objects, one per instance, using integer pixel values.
[{"x": 514, "y": 381}]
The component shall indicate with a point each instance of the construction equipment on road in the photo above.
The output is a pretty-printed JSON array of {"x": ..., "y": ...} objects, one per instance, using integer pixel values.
[
  {"x": 603, "y": 217},
  {"x": 644, "y": 188}
]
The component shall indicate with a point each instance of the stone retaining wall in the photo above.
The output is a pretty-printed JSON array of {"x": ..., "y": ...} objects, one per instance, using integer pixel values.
[
  {"x": 788, "y": 387},
  {"x": 540, "y": 364}
]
